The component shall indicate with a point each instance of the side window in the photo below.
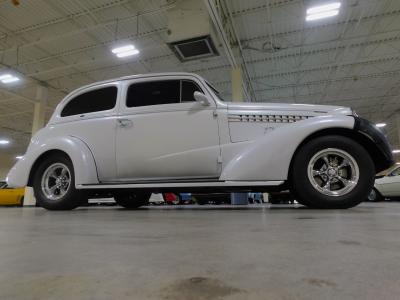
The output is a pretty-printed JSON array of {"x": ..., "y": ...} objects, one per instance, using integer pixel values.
[
  {"x": 188, "y": 89},
  {"x": 153, "y": 93},
  {"x": 96, "y": 100}
]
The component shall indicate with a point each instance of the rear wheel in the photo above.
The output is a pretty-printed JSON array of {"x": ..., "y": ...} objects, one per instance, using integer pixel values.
[
  {"x": 332, "y": 172},
  {"x": 132, "y": 200},
  {"x": 54, "y": 184}
]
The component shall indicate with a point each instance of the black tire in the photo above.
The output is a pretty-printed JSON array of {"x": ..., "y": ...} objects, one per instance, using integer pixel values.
[
  {"x": 70, "y": 200},
  {"x": 132, "y": 200},
  {"x": 305, "y": 192},
  {"x": 374, "y": 196}
]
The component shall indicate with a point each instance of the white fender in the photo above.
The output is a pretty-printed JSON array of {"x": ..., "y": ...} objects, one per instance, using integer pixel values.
[
  {"x": 269, "y": 157},
  {"x": 82, "y": 160}
]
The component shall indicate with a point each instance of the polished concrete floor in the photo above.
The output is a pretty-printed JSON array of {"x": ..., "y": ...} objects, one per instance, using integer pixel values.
[{"x": 207, "y": 252}]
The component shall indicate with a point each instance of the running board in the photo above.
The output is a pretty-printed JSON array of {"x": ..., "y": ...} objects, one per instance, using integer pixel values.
[{"x": 181, "y": 184}]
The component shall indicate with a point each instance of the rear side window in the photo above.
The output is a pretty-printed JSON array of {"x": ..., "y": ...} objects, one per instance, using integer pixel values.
[
  {"x": 96, "y": 100},
  {"x": 153, "y": 93},
  {"x": 188, "y": 89}
]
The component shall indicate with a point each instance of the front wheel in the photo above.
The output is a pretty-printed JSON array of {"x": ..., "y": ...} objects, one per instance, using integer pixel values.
[
  {"x": 332, "y": 172},
  {"x": 132, "y": 200}
]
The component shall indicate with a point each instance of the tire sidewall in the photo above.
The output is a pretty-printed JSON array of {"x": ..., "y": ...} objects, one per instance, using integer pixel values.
[{"x": 308, "y": 194}]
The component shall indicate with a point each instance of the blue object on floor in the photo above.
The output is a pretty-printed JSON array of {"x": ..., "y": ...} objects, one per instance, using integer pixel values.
[{"x": 239, "y": 199}]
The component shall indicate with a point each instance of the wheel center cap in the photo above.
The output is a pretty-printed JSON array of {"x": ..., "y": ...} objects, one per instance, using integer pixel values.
[{"x": 332, "y": 172}]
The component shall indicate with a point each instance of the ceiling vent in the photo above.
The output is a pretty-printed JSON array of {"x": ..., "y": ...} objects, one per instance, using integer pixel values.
[
  {"x": 195, "y": 48},
  {"x": 190, "y": 33}
]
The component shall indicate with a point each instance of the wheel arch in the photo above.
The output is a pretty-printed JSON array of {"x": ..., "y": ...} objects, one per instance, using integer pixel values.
[
  {"x": 42, "y": 158},
  {"x": 363, "y": 140},
  {"x": 76, "y": 150}
]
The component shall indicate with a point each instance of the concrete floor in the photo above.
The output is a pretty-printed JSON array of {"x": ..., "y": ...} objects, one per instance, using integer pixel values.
[{"x": 208, "y": 252}]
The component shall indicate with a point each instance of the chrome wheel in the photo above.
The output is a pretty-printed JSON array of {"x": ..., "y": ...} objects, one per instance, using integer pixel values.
[
  {"x": 56, "y": 181},
  {"x": 333, "y": 172}
]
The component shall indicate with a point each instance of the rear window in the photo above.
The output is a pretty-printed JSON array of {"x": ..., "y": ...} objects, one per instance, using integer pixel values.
[{"x": 92, "y": 101}]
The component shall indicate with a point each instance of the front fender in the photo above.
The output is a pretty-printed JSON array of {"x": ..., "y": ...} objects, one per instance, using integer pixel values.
[
  {"x": 269, "y": 157},
  {"x": 79, "y": 153}
]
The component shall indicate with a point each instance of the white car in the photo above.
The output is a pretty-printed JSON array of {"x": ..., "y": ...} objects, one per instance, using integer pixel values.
[
  {"x": 386, "y": 187},
  {"x": 172, "y": 132}
]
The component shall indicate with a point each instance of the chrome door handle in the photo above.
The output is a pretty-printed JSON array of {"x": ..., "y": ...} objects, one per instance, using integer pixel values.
[{"x": 124, "y": 123}]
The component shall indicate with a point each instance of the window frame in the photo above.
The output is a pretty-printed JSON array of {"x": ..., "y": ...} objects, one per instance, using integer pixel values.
[
  {"x": 180, "y": 106},
  {"x": 90, "y": 115}
]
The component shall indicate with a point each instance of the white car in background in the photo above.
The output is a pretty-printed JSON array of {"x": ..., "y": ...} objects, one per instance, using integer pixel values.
[
  {"x": 173, "y": 133},
  {"x": 387, "y": 186}
]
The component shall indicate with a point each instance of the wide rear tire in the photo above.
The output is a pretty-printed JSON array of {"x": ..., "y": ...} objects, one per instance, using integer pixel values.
[
  {"x": 132, "y": 200},
  {"x": 332, "y": 172},
  {"x": 54, "y": 184}
]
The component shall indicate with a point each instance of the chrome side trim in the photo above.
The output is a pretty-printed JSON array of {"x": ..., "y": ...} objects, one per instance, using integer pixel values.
[{"x": 266, "y": 118}]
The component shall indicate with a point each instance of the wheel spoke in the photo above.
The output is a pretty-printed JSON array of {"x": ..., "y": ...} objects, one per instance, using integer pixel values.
[
  {"x": 327, "y": 185},
  {"x": 64, "y": 172},
  {"x": 326, "y": 160},
  {"x": 316, "y": 173}
]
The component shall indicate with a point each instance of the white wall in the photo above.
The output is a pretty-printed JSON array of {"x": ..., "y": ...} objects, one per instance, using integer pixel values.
[{"x": 6, "y": 162}]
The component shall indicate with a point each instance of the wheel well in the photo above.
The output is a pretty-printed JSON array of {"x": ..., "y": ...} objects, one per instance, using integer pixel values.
[
  {"x": 363, "y": 140},
  {"x": 40, "y": 159}
]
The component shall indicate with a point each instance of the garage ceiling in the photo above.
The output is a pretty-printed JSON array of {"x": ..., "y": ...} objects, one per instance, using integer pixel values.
[{"x": 351, "y": 59}]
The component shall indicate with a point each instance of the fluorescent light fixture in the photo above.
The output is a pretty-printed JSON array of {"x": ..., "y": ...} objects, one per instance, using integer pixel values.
[
  {"x": 4, "y": 142},
  {"x": 396, "y": 151},
  {"x": 323, "y": 11},
  {"x": 124, "y": 51},
  {"x": 380, "y": 125},
  {"x": 128, "y": 53},
  {"x": 19, "y": 157},
  {"x": 8, "y": 78},
  {"x": 323, "y": 8}
]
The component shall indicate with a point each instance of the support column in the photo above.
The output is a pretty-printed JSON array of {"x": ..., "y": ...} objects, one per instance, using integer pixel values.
[
  {"x": 39, "y": 117},
  {"x": 237, "y": 88}
]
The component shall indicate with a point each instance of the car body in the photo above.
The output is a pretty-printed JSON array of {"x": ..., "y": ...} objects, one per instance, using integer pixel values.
[
  {"x": 10, "y": 196},
  {"x": 387, "y": 186},
  {"x": 172, "y": 132}
]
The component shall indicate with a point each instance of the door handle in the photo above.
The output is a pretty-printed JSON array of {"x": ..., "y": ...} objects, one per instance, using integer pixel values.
[{"x": 124, "y": 123}]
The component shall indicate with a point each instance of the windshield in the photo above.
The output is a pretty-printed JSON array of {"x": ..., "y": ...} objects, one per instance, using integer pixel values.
[{"x": 216, "y": 92}]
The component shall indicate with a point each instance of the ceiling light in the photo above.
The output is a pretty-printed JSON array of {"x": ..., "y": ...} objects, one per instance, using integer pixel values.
[
  {"x": 19, "y": 157},
  {"x": 8, "y": 78},
  {"x": 380, "y": 124},
  {"x": 4, "y": 142},
  {"x": 323, "y": 8},
  {"x": 323, "y": 11},
  {"x": 396, "y": 151},
  {"x": 124, "y": 51}
]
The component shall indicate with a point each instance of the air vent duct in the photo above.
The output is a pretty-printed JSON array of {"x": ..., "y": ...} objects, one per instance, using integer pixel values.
[
  {"x": 195, "y": 48},
  {"x": 190, "y": 32}
]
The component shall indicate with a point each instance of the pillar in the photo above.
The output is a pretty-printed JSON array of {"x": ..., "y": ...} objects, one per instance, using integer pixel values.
[
  {"x": 39, "y": 118},
  {"x": 237, "y": 87}
]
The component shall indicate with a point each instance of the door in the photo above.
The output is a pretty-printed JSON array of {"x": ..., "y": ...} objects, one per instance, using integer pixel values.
[{"x": 164, "y": 134}]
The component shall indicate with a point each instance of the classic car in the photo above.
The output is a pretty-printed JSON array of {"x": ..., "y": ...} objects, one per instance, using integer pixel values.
[
  {"x": 11, "y": 197},
  {"x": 172, "y": 132},
  {"x": 386, "y": 187}
]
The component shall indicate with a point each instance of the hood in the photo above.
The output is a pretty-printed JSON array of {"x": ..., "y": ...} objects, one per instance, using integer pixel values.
[{"x": 281, "y": 107}]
